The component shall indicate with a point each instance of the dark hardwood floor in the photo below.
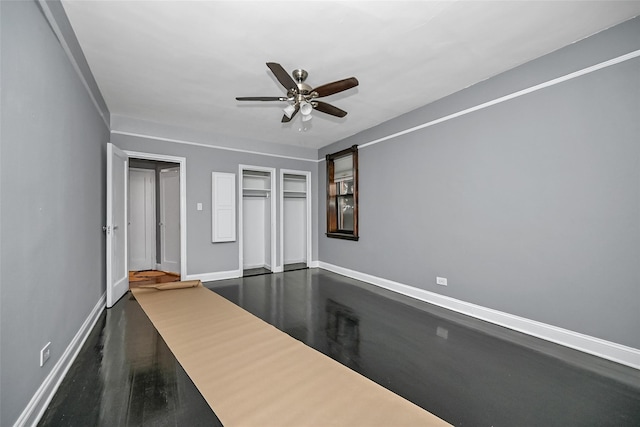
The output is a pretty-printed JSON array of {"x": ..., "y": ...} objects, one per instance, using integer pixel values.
[
  {"x": 295, "y": 266},
  {"x": 255, "y": 272},
  {"x": 468, "y": 372}
]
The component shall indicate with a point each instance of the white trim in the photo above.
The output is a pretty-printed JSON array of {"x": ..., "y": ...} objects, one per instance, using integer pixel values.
[
  {"x": 41, "y": 399},
  {"x": 272, "y": 175},
  {"x": 598, "y": 347},
  {"x": 218, "y": 275},
  {"x": 56, "y": 29},
  {"x": 517, "y": 94},
  {"x": 216, "y": 147},
  {"x": 182, "y": 161},
  {"x": 314, "y": 264},
  {"x": 307, "y": 176}
]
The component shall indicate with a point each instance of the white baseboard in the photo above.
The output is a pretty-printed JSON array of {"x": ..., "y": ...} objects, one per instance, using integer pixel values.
[
  {"x": 598, "y": 347},
  {"x": 314, "y": 264},
  {"x": 219, "y": 275},
  {"x": 39, "y": 402}
]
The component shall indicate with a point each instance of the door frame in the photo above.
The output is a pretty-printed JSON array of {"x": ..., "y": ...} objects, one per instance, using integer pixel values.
[
  {"x": 272, "y": 172},
  {"x": 307, "y": 175},
  {"x": 182, "y": 162}
]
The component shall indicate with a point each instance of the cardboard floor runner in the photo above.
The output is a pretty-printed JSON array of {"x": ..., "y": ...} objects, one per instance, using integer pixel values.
[{"x": 252, "y": 374}]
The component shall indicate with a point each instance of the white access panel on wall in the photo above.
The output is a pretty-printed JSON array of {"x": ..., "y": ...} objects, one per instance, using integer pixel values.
[{"x": 223, "y": 210}]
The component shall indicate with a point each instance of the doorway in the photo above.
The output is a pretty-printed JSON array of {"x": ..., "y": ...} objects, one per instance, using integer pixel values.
[
  {"x": 295, "y": 219},
  {"x": 257, "y": 210},
  {"x": 118, "y": 205},
  {"x": 157, "y": 206}
]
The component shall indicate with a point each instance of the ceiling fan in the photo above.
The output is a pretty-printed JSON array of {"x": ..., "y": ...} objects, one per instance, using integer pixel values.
[{"x": 302, "y": 97}]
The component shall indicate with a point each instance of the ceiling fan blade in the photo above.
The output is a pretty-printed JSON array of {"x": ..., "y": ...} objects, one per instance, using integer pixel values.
[
  {"x": 283, "y": 77},
  {"x": 329, "y": 109},
  {"x": 335, "y": 87},
  {"x": 286, "y": 119},
  {"x": 261, "y": 98}
]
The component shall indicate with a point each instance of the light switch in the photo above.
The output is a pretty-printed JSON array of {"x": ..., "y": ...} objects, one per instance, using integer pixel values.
[{"x": 199, "y": 206}]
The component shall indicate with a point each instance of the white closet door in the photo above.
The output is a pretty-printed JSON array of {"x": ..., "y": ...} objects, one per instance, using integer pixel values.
[{"x": 170, "y": 219}]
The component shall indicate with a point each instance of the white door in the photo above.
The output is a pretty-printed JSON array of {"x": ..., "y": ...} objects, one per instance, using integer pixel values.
[
  {"x": 142, "y": 219},
  {"x": 170, "y": 219},
  {"x": 117, "y": 272}
]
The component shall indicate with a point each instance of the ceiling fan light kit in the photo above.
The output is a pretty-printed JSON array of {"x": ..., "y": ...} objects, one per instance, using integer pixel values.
[
  {"x": 301, "y": 96},
  {"x": 289, "y": 110},
  {"x": 305, "y": 108}
]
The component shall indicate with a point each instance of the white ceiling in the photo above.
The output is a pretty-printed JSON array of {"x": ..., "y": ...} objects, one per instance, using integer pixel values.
[{"x": 182, "y": 63}]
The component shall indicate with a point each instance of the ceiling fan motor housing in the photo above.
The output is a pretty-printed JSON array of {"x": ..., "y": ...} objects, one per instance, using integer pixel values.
[{"x": 299, "y": 75}]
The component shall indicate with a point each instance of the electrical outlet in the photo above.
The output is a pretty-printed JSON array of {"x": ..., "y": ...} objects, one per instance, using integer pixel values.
[
  {"x": 441, "y": 281},
  {"x": 45, "y": 353},
  {"x": 442, "y": 332}
]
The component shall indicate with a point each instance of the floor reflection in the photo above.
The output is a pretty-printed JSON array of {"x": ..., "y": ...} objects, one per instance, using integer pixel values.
[
  {"x": 125, "y": 375},
  {"x": 468, "y": 372},
  {"x": 465, "y": 371},
  {"x": 343, "y": 334}
]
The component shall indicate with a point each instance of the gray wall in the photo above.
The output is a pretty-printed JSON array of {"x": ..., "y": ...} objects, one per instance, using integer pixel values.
[
  {"x": 203, "y": 256},
  {"x": 530, "y": 207},
  {"x": 52, "y": 187}
]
